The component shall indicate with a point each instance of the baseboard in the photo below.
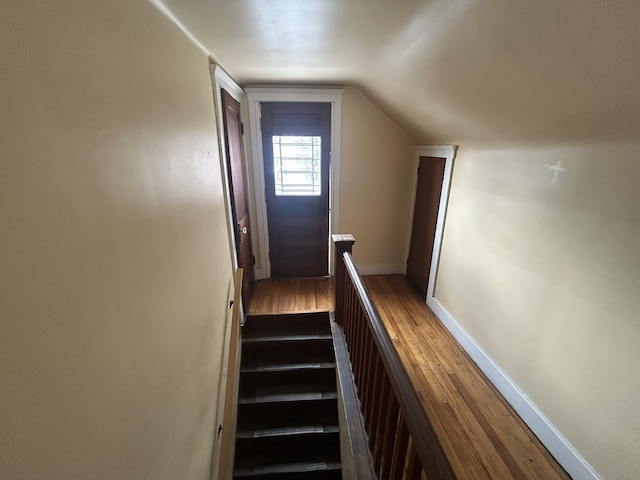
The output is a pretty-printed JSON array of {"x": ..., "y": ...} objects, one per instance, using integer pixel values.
[
  {"x": 560, "y": 448},
  {"x": 381, "y": 269}
]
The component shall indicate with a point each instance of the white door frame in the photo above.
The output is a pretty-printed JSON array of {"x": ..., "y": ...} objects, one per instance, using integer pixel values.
[
  {"x": 221, "y": 80},
  {"x": 256, "y": 95},
  {"x": 448, "y": 152}
]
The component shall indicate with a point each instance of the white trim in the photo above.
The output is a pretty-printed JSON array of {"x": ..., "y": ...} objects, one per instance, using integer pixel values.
[
  {"x": 559, "y": 447},
  {"x": 261, "y": 229},
  {"x": 220, "y": 79},
  {"x": 222, "y": 381},
  {"x": 382, "y": 269},
  {"x": 223, "y": 80},
  {"x": 447, "y": 152},
  {"x": 257, "y": 94}
]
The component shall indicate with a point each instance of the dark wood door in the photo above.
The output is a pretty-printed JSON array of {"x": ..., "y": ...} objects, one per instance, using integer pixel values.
[
  {"x": 236, "y": 168},
  {"x": 425, "y": 217},
  {"x": 296, "y": 145}
]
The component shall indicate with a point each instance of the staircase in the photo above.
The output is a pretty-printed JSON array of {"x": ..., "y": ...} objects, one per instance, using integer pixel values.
[{"x": 287, "y": 406}]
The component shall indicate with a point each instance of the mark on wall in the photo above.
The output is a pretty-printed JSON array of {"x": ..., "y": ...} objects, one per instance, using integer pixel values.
[{"x": 556, "y": 169}]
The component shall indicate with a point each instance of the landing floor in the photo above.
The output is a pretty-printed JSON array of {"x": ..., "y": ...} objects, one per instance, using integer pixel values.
[{"x": 482, "y": 436}]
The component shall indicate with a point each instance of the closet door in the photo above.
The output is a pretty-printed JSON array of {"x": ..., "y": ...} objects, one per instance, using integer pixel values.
[{"x": 425, "y": 217}]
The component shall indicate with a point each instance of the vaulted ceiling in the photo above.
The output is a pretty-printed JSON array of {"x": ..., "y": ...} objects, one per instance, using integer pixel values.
[{"x": 485, "y": 71}]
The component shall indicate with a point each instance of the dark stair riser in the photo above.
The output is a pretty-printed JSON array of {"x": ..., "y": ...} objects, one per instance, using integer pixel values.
[
  {"x": 288, "y": 449},
  {"x": 293, "y": 381},
  {"x": 281, "y": 415},
  {"x": 260, "y": 325},
  {"x": 261, "y": 354}
]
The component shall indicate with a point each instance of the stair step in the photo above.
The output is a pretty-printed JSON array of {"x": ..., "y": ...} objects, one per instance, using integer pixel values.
[
  {"x": 288, "y": 431},
  {"x": 260, "y": 354},
  {"x": 286, "y": 367},
  {"x": 282, "y": 415},
  {"x": 301, "y": 323},
  {"x": 265, "y": 451},
  {"x": 286, "y": 337},
  {"x": 288, "y": 397},
  {"x": 291, "y": 470},
  {"x": 288, "y": 381}
]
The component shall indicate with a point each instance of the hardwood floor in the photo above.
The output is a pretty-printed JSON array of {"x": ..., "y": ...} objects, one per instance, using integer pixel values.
[
  {"x": 281, "y": 295},
  {"x": 481, "y": 434}
]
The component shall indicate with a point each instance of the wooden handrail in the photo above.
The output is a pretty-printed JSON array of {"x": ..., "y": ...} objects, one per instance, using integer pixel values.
[{"x": 402, "y": 440}]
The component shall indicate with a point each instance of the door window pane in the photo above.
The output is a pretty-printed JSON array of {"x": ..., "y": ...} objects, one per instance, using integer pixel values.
[{"x": 296, "y": 165}]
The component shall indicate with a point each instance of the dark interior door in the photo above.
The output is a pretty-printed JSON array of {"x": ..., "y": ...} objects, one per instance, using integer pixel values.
[
  {"x": 296, "y": 146},
  {"x": 425, "y": 217},
  {"x": 236, "y": 168}
]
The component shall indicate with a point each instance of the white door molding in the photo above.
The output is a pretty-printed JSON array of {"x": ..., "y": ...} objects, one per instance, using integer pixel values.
[
  {"x": 256, "y": 95},
  {"x": 221, "y": 80}
]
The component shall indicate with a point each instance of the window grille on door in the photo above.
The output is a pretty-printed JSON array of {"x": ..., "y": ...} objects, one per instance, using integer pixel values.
[{"x": 296, "y": 164}]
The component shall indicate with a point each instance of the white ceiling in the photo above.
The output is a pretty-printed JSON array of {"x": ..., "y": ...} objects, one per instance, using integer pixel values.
[{"x": 454, "y": 71}]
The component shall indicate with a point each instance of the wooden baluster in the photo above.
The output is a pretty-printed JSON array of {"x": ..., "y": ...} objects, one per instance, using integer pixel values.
[
  {"x": 399, "y": 457},
  {"x": 414, "y": 467},
  {"x": 390, "y": 433},
  {"x": 343, "y": 243},
  {"x": 378, "y": 397},
  {"x": 360, "y": 347},
  {"x": 355, "y": 350},
  {"x": 371, "y": 358},
  {"x": 353, "y": 347},
  {"x": 366, "y": 359},
  {"x": 381, "y": 416},
  {"x": 347, "y": 324}
]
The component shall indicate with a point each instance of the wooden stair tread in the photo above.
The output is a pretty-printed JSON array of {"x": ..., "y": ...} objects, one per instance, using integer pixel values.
[
  {"x": 300, "y": 467},
  {"x": 289, "y": 431},
  {"x": 283, "y": 415},
  {"x": 284, "y": 337},
  {"x": 286, "y": 367},
  {"x": 287, "y": 397}
]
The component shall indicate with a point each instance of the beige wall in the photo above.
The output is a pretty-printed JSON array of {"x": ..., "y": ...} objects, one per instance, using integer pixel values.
[
  {"x": 376, "y": 178},
  {"x": 114, "y": 259},
  {"x": 544, "y": 275}
]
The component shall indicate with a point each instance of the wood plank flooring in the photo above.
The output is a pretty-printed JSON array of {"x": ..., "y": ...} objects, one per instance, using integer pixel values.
[
  {"x": 481, "y": 434},
  {"x": 282, "y": 295}
]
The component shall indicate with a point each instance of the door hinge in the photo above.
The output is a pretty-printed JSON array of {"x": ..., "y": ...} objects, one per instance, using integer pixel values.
[
  {"x": 253, "y": 259},
  {"x": 418, "y": 170},
  {"x": 238, "y": 236},
  {"x": 241, "y": 128}
]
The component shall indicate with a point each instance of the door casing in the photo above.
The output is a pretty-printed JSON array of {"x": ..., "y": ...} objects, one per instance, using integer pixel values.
[
  {"x": 447, "y": 152},
  {"x": 257, "y": 95},
  {"x": 237, "y": 171}
]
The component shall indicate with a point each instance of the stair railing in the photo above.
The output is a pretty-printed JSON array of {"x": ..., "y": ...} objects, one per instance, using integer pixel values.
[{"x": 402, "y": 440}]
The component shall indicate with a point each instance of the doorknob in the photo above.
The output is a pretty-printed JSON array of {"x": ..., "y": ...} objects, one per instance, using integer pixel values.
[{"x": 244, "y": 230}]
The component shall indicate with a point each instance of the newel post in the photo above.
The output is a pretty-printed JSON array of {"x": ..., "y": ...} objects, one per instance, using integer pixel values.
[{"x": 343, "y": 243}]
